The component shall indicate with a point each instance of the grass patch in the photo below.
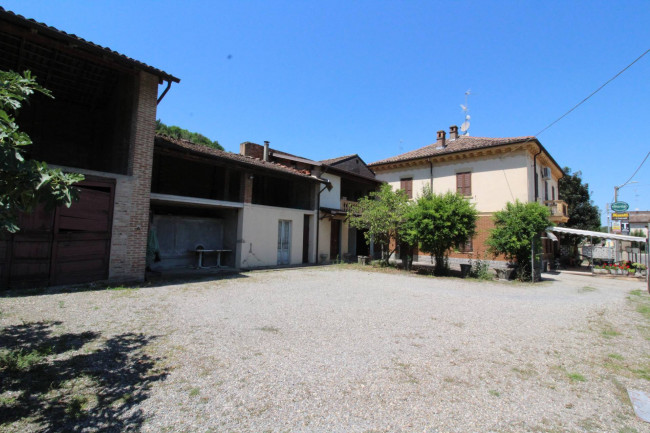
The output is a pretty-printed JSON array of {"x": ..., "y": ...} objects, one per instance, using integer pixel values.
[
  {"x": 271, "y": 329},
  {"x": 525, "y": 373},
  {"x": 76, "y": 407},
  {"x": 576, "y": 377},
  {"x": 587, "y": 289},
  {"x": 615, "y": 356},
  {"x": 195, "y": 392},
  {"x": 21, "y": 360},
  {"x": 494, "y": 392}
]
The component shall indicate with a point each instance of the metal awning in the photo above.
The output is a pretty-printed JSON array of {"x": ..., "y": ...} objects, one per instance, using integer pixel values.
[
  {"x": 551, "y": 236},
  {"x": 595, "y": 234}
]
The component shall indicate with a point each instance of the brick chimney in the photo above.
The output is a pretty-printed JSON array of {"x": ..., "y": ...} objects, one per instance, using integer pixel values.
[
  {"x": 253, "y": 150},
  {"x": 453, "y": 132},
  {"x": 440, "y": 139}
]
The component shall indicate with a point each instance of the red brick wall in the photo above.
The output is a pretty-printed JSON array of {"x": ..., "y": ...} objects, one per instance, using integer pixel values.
[
  {"x": 251, "y": 149},
  {"x": 131, "y": 212},
  {"x": 480, "y": 250}
]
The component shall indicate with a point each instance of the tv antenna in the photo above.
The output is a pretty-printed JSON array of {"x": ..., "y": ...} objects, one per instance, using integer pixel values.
[{"x": 464, "y": 128}]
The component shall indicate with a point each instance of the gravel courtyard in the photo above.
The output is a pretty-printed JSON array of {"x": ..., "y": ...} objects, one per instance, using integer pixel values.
[{"x": 331, "y": 349}]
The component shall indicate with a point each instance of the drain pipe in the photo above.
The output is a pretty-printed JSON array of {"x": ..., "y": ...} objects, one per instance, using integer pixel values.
[
  {"x": 169, "y": 85},
  {"x": 431, "y": 175},
  {"x": 535, "y": 171},
  {"x": 328, "y": 186}
]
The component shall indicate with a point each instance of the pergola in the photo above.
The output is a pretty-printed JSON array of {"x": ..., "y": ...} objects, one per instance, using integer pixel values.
[{"x": 592, "y": 234}]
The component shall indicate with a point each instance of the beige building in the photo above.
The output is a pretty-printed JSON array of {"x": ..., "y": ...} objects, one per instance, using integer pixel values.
[{"x": 490, "y": 172}]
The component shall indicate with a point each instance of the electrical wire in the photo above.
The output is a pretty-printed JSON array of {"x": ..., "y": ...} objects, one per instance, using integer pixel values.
[
  {"x": 593, "y": 93},
  {"x": 637, "y": 170}
]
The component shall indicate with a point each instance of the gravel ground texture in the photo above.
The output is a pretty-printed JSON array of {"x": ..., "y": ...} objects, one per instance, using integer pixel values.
[{"x": 337, "y": 349}]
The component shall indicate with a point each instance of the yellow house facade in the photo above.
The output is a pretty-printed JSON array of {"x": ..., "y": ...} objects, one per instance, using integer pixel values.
[{"x": 489, "y": 172}]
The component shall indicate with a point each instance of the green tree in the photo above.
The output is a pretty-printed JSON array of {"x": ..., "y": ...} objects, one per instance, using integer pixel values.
[
  {"x": 383, "y": 215},
  {"x": 184, "y": 134},
  {"x": 439, "y": 222},
  {"x": 515, "y": 227},
  {"x": 641, "y": 234},
  {"x": 582, "y": 212},
  {"x": 25, "y": 183}
]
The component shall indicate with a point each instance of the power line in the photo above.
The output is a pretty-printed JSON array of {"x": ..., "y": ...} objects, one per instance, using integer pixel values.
[
  {"x": 593, "y": 93},
  {"x": 637, "y": 170}
]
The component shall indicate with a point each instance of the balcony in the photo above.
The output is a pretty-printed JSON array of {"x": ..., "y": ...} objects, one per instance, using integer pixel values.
[
  {"x": 559, "y": 210},
  {"x": 345, "y": 205}
]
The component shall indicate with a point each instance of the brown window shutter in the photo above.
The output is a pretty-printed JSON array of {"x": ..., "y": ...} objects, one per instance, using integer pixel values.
[
  {"x": 406, "y": 185},
  {"x": 464, "y": 183}
]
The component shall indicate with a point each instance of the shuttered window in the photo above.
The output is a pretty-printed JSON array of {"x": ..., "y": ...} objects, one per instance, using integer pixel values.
[
  {"x": 466, "y": 247},
  {"x": 406, "y": 185},
  {"x": 464, "y": 183}
]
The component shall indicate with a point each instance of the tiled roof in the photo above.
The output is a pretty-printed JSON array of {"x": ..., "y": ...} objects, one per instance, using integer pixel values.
[
  {"x": 174, "y": 143},
  {"x": 83, "y": 44},
  {"x": 639, "y": 216},
  {"x": 461, "y": 144},
  {"x": 335, "y": 160}
]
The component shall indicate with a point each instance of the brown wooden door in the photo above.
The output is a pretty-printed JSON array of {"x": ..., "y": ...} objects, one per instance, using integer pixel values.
[
  {"x": 62, "y": 246},
  {"x": 82, "y": 236},
  {"x": 334, "y": 240},
  {"x": 305, "y": 239}
]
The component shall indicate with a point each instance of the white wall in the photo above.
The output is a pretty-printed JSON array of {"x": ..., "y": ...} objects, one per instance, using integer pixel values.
[
  {"x": 552, "y": 182},
  {"x": 259, "y": 239},
  {"x": 332, "y": 198},
  {"x": 495, "y": 180}
]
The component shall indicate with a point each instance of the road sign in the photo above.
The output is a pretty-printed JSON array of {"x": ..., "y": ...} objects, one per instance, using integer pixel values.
[
  {"x": 620, "y": 216},
  {"x": 620, "y": 206}
]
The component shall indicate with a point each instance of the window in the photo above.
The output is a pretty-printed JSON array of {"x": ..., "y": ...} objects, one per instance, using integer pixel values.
[
  {"x": 552, "y": 193},
  {"x": 545, "y": 190},
  {"x": 466, "y": 247},
  {"x": 464, "y": 183},
  {"x": 406, "y": 185}
]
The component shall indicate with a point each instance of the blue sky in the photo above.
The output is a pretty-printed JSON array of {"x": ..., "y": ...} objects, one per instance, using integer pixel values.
[{"x": 378, "y": 78}]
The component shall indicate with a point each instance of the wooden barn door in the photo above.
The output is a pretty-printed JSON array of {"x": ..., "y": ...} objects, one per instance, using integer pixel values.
[
  {"x": 82, "y": 236},
  {"x": 62, "y": 246}
]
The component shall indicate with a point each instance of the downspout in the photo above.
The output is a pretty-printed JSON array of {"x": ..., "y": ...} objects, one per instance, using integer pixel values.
[
  {"x": 160, "y": 98},
  {"x": 318, "y": 211},
  {"x": 431, "y": 174},
  {"x": 535, "y": 171}
]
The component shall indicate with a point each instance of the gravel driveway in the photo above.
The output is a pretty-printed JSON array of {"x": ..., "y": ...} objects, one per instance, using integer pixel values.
[{"x": 340, "y": 349}]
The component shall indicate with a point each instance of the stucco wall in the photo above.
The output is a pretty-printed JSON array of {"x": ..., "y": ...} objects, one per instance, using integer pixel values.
[
  {"x": 552, "y": 182},
  {"x": 259, "y": 239},
  {"x": 332, "y": 198},
  {"x": 324, "y": 237},
  {"x": 495, "y": 181}
]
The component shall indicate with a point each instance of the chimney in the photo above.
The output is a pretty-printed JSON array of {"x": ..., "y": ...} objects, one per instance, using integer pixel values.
[
  {"x": 453, "y": 132},
  {"x": 440, "y": 139},
  {"x": 266, "y": 151}
]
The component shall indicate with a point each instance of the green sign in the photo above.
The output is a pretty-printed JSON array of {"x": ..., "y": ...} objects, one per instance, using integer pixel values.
[{"x": 620, "y": 206}]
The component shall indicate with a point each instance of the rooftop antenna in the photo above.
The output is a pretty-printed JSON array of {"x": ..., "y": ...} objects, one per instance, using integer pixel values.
[{"x": 464, "y": 128}]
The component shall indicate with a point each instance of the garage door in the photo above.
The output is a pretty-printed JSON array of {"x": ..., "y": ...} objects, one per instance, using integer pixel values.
[{"x": 64, "y": 246}]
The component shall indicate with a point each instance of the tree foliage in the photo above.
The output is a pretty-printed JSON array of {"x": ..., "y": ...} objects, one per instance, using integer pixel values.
[
  {"x": 194, "y": 137},
  {"x": 515, "y": 227},
  {"x": 383, "y": 214},
  {"x": 25, "y": 183},
  {"x": 439, "y": 222},
  {"x": 582, "y": 212}
]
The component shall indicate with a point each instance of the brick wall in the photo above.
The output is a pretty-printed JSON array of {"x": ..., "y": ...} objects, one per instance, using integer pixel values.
[
  {"x": 480, "y": 250},
  {"x": 131, "y": 210},
  {"x": 251, "y": 149}
]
